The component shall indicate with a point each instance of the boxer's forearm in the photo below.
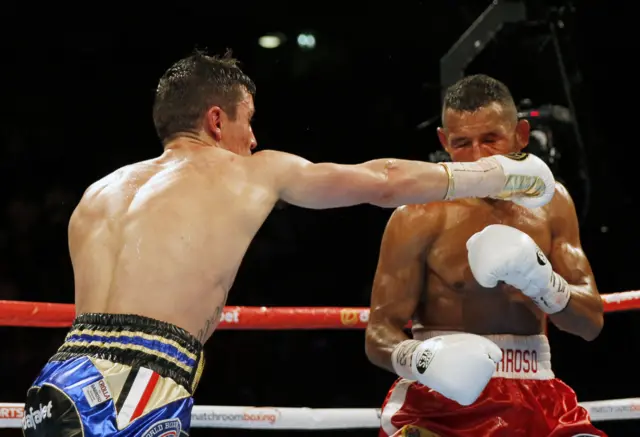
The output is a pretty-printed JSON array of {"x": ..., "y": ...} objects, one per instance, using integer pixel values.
[
  {"x": 417, "y": 182},
  {"x": 408, "y": 182},
  {"x": 380, "y": 341},
  {"x": 583, "y": 315}
]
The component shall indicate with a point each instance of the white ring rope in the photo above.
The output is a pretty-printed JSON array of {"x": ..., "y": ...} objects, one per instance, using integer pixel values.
[{"x": 213, "y": 416}]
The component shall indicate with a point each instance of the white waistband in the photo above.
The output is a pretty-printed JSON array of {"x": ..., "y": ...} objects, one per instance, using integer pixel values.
[{"x": 523, "y": 356}]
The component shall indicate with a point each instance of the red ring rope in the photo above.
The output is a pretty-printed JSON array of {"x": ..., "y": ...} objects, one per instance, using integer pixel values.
[{"x": 57, "y": 315}]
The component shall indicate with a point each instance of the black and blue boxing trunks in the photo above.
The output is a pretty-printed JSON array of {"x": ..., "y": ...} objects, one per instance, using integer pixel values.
[{"x": 116, "y": 375}]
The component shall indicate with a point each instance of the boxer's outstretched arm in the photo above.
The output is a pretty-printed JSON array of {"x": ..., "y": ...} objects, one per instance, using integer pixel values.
[
  {"x": 399, "y": 281},
  {"x": 584, "y": 314},
  {"x": 381, "y": 182}
]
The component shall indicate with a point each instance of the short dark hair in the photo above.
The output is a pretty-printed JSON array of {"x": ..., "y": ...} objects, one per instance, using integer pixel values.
[
  {"x": 477, "y": 91},
  {"x": 194, "y": 84}
]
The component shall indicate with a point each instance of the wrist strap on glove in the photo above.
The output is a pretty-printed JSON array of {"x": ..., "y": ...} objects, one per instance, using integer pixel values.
[
  {"x": 556, "y": 297},
  {"x": 482, "y": 178},
  {"x": 402, "y": 358}
]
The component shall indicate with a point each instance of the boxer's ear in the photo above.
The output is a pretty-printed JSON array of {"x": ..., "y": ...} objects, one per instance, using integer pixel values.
[
  {"x": 213, "y": 122},
  {"x": 444, "y": 140},
  {"x": 523, "y": 129}
]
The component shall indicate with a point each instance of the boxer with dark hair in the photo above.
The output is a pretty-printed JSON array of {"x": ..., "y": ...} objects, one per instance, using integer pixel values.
[{"x": 486, "y": 267}]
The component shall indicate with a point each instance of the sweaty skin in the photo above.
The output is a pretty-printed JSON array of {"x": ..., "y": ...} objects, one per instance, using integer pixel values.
[
  {"x": 164, "y": 238},
  {"x": 423, "y": 274}
]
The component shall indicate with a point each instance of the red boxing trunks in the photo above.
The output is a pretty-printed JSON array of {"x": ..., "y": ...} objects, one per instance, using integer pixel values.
[{"x": 523, "y": 399}]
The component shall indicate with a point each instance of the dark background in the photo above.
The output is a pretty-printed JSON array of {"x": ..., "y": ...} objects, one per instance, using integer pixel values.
[{"x": 76, "y": 92}]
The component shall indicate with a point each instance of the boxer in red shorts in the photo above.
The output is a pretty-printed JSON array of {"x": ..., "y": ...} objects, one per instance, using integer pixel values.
[{"x": 487, "y": 267}]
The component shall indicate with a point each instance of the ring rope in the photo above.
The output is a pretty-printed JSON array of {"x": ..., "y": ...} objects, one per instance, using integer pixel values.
[
  {"x": 55, "y": 315},
  {"x": 58, "y": 315},
  {"x": 283, "y": 418}
]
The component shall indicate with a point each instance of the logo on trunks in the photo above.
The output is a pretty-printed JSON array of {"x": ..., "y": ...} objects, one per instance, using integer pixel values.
[
  {"x": 542, "y": 260},
  {"x": 97, "y": 393},
  {"x": 32, "y": 419},
  {"x": 517, "y": 156},
  {"x": 424, "y": 361},
  {"x": 164, "y": 428},
  {"x": 350, "y": 317}
]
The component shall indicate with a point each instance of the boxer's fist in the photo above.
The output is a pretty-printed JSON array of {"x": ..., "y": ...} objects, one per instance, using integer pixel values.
[
  {"x": 529, "y": 182},
  {"x": 458, "y": 366},
  {"x": 502, "y": 253}
]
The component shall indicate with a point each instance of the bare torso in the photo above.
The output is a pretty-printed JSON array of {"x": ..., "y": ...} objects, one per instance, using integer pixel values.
[
  {"x": 164, "y": 238},
  {"x": 452, "y": 300}
]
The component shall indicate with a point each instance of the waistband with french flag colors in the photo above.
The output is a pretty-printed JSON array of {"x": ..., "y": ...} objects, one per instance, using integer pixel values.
[{"x": 523, "y": 356}]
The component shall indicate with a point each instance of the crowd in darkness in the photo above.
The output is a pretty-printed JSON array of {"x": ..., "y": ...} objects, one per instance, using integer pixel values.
[{"x": 34, "y": 263}]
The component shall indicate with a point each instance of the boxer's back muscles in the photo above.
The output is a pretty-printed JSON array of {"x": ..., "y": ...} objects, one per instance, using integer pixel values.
[{"x": 164, "y": 238}]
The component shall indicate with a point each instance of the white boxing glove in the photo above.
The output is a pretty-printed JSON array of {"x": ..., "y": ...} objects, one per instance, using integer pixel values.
[
  {"x": 458, "y": 366},
  {"x": 502, "y": 253},
  {"x": 519, "y": 177},
  {"x": 530, "y": 182}
]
